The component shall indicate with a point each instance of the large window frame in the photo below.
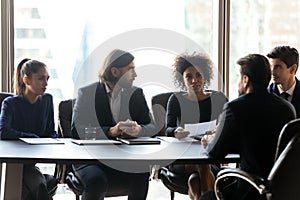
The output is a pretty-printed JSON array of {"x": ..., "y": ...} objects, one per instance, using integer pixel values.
[{"x": 7, "y": 46}]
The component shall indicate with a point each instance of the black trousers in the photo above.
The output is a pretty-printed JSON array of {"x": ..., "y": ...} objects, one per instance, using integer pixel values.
[
  {"x": 100, "y": 181},
  {"x": 34, "y": 184}
]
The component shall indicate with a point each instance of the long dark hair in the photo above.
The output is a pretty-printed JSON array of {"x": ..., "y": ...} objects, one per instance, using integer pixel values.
[
  {"x": 116, "y": 58},
  {"x": 25, "y": 67}
]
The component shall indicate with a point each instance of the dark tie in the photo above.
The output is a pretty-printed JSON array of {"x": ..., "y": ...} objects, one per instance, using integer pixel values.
[{"x": 285, "y": 95}]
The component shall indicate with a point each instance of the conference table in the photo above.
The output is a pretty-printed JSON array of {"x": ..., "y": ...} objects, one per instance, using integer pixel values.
[{"x": 130, "y": 158}]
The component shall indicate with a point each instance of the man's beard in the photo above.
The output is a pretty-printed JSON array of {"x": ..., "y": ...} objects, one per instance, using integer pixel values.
[{"x": 124, "y": 83}]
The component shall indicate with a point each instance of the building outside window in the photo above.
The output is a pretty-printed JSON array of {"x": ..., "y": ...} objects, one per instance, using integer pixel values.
[{"x": 70, "y": 39}]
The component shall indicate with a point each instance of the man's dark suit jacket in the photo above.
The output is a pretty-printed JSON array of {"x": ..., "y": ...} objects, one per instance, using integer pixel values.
[
  {"x": 296, "y": 95},
  {"x": 92, "y": 108},
  {"x": 250, "y": 126}
]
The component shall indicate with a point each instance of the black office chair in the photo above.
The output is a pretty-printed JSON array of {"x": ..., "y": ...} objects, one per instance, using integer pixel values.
[
  {"x": 3, "y": 95},
  {"x": 159, "y": 106},
  {"x": 174, "y": 182},
  {"x": 284, "y": 178},
  {"x": 50, "y": 179},
  {"x": 65, "y": 173},
  {"x": 65, "y": 109}
]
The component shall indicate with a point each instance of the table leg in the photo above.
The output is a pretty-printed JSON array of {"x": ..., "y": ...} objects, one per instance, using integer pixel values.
[{"x": 11, "y": 182}]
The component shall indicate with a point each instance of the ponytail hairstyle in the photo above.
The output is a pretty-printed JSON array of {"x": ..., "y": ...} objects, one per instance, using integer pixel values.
[{"x": 26, "y": 67}]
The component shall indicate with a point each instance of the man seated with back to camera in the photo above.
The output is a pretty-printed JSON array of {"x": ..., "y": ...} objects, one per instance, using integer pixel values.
[
  {"x": 250, "y": 126},
  {"x": 120, "y": 110}
]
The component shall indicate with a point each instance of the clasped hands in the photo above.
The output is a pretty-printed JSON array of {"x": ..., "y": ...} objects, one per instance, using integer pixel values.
[{"x": 125, "y": 129}]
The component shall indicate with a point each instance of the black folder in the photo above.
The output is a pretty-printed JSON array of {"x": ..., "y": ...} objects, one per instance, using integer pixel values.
[{"x": 139, "y": 140}]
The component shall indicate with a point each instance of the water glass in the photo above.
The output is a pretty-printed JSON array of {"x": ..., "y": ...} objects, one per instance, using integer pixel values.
[{"x": 90, "y": 133}]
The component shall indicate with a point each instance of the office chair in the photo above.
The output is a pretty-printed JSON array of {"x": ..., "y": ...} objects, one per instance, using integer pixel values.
[
  {"x": 65, "y": 109},
  {"x": 50, "y": 179},
  {"x": 65, "y": 173},
  {"x": 284, "y": 178},
  {"x": 174, "y": 182},
  {"x": 3, "y": 95},
  {"x": 159, "y": 106}
]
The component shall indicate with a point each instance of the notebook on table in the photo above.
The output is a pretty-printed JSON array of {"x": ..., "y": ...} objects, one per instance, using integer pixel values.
[
  {"x": 42, "y": 140},
  {"x": 96, "y": 142},
  {"x": 139, "y": 140}
]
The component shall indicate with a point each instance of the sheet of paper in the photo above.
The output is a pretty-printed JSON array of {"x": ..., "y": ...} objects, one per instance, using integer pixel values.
[{"x": 200, "y": 128}]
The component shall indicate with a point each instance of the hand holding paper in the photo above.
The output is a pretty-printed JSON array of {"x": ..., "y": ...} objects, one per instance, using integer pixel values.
[{"x": 201, "y": 129}]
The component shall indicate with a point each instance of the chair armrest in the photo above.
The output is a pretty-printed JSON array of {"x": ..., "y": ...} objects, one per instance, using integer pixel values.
[
  {"x": 74, "y": 183},
  {"x": 174, "y": 182},
  {"x": 228, "y": 175},
  {"x": 51, "y": 182}
]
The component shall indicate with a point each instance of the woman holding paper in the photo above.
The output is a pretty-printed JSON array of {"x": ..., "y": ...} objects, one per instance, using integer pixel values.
[
  {"x": 29, "y": 114},
  {"x": 195, "y": 104}
]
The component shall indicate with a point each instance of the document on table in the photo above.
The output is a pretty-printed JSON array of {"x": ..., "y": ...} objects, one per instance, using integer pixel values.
[
  {"x": 42, "y": 140},
  {"x": 198, "y": 130}
]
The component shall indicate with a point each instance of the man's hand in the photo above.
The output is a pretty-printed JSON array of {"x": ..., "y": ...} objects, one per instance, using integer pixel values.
[
  {"x": 130, "y": 128},
  {"x": 115, "y": 131},
  {"x": 207, "y": 138},
  {"x": 126, "y": 128}
]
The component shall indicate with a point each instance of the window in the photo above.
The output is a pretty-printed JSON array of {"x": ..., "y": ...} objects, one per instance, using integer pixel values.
[
  {"x": 73, "y": 40},
  {"x": 256, "y": 26},
  {"x": 66, "y": 39}
]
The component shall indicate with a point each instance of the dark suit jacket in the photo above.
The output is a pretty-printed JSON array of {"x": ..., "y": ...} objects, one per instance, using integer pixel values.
[
  {"x": 92, "y": 108},
  {"x": 296, "y": 95},
  {"x": 250, "y": 125}
]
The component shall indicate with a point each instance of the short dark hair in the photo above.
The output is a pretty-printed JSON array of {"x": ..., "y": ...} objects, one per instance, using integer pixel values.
[
  {"x": 198, "y": 60},
  {"x": 116, "y": 58},
  {"x": 257, "y": 68},
  {"x": 286, "y": 54}
]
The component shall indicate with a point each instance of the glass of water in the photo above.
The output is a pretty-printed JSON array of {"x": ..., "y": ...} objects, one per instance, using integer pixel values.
[{"x": 90, "y": 133}]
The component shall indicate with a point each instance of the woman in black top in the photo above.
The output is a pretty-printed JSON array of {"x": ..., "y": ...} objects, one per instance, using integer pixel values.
[{"x": 192, "y": 74}]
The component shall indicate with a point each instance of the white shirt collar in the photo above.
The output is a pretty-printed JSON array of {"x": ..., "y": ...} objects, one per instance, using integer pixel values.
[
  {"x": 289, "y": 91},
  {"x": 108, "y": 90}
]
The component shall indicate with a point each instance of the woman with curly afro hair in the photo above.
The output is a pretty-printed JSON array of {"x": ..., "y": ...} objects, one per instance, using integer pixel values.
[{"x": 194, "y": 104}]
